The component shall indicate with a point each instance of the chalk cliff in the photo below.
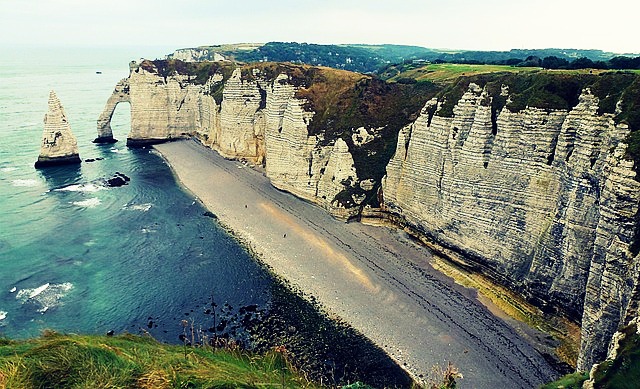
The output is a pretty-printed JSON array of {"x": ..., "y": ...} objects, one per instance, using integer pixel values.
[
  {"x": 262, "y": 110},
  {"x": 59, "y": 145},
  {"x": 528, "y": 178},
  {"x": 543, "y": 201}
]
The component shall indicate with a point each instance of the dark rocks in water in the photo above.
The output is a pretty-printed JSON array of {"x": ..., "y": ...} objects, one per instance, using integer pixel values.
[
  {"x": 329, "y": 350},
  {"x": 249, "y": 308},
  {"x": 105, "y": 140},
  {"x": 110, "y": 333},
  {"x": 93, "y": 159},
  {"x": 210, "y": 214},
  {"x": 223, "y": 324},
  {"x": 150, "y": 324},
  {"x": 118, "y": 180}
]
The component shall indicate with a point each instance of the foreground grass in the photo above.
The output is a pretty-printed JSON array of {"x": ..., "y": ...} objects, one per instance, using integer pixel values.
[
  {"x": 128, "y": 361},
  {"x": 623, "y": 372},
  {"x": 570, "y": 381}
]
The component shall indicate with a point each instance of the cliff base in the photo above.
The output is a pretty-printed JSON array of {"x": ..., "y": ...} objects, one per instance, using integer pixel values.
[
  {"x": 47, "y": 162},
  {"x": 105, "y": 140}
]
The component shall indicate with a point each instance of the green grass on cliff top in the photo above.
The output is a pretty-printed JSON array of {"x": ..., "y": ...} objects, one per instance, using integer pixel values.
[
  {"x": 449, "y": 72},
  {"x": 446, "y": 72},
  {"x": 128, "y": 361}
]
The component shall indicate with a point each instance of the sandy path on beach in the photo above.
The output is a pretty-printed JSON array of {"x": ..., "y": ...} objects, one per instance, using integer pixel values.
[{"x": 375, "y": 278}]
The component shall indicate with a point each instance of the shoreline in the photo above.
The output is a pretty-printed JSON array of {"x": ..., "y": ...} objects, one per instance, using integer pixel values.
[{"x": 374, "y": 278}]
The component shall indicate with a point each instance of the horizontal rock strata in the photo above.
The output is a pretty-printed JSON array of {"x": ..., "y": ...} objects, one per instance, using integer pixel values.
[
  {"x": 543, "y": 200},
  {"x": 59, "y": 145}
]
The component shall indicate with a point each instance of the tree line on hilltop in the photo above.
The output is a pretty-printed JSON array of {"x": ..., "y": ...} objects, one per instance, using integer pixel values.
[{"x": 554, "y": 62}]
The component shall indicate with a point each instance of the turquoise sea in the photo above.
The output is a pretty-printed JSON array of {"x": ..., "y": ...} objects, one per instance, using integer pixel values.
[{"x": 77, "y": 256}]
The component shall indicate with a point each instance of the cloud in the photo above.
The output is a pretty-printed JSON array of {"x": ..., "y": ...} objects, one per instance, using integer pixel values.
[{"x": 491, "y": 24}]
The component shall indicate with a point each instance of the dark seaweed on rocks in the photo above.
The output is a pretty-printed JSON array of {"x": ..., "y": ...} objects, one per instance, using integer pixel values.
[
  {"x": 326, "y": 350},
  {"x": 118, "y": 179}
]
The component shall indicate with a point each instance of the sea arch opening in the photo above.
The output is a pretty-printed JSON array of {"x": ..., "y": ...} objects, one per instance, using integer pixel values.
[
  {"x": 121, "y": 119},
  {"x": 119, "y": 95}
]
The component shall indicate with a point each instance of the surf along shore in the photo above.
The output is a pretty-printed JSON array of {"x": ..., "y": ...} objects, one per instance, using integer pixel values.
[{"x": 377, "y": 279}]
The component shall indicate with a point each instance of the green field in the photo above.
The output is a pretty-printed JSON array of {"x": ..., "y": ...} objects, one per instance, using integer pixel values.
[{"x": 446, "y": 72}]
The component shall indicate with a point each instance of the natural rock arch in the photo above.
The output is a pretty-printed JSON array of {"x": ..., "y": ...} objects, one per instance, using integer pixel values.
[{"x": 119, "y": 95}]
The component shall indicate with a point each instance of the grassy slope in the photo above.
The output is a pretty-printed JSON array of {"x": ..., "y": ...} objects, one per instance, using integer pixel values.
[
  {"x": 66, "y": 361},
  {"x": 443, "y": 73},
  {"x": 623, "y": 372}
]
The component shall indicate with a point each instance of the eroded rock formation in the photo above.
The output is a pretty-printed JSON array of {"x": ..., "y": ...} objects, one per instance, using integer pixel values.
[
  {"x": 251, "y": 112},
  {"x": 543, "y": 199},
  {"x": 543, "y": 204},
  {"x": 59, "y": 145},
  {"x": 119, "y": 95}
]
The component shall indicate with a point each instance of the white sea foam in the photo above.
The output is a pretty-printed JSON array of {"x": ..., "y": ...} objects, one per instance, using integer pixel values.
[
  {"x": 26, "y": 183},
  {"x": 88, "y": 203},
  {"x": 35, "y": 292},
  {"x": 138, "y": 207},
  {"x": 3, "y": 315},
  {"x": 12, "y": 290},
  {"x": 45, "y": 296},
  {"x": 8, "y": 169},
  {"x": 81, "y": 188}
]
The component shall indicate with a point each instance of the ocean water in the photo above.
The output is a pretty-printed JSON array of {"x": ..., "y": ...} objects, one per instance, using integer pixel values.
[{"x": 78, "y": 256}]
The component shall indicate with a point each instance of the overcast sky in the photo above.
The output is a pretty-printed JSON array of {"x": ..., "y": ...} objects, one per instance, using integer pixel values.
[{"x": 610, "y": 25}]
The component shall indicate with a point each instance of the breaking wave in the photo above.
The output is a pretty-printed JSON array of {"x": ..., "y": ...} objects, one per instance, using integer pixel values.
[
  {"x": 138, "y": 207},
  {"x": 25, "y": 183},
  {"x": 88, "y": 203},
  {"x": 81, "y": 188},
  {"x": 45, "y": 296}
]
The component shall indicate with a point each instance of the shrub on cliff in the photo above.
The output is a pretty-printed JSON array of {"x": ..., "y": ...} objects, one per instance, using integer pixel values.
[{"x": 345, "y": 101}]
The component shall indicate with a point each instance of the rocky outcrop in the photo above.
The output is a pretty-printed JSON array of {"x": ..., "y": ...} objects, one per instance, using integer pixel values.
[
  {"x": 532, "y": 187},
  {"x": 541, "y": 200},
  {"x": 59, "y": 145},
  {"x": 119, "y": 95},
  {"x": 253, "y": 112}
]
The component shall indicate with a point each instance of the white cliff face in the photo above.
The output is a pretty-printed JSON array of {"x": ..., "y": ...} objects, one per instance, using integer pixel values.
[
  {"x": 59, "y": 145},
  {"x": 196, "y": 54},
  {"x": 162, "y": 109},
  {"x": 545, "y": 204},
  {"x": 119, "y": 95},
  {"x": 241, "y": 130},
  {"x": 258, "y": 120},
  {"x": 542, "y": 201}
]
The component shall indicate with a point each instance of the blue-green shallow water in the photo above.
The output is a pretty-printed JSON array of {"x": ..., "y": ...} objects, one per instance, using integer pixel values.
[{"x": 76, "y": 256}]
